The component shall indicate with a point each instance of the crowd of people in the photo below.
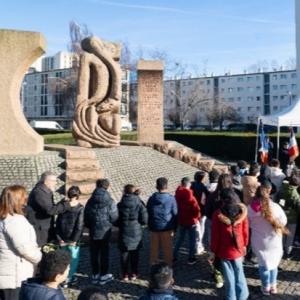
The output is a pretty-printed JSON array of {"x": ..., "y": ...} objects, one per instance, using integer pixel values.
[{"x": 249, "y": 215}]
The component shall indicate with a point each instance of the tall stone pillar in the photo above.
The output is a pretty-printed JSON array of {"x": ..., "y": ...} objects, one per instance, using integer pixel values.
[
  {"x": 150, "y": 123},
  {"x": 18, "y": 50}
]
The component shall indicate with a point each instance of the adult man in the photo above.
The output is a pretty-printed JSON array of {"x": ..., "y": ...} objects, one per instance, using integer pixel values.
[
  {"x": 99, "y": 215},
  {"x": 284, "y": 157},
  {"x": 41, "y": 208},
  {"x": 162, "y": 212}
]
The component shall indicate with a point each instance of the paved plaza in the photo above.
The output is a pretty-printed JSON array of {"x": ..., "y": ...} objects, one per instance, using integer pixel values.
[{"x": 191, "y": 282}]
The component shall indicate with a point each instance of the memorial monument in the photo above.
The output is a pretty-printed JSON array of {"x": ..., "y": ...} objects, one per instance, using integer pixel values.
[
  {"x": 18, "y": 50},
  {"x": 97, "y": 119},
  {"x": 150, "y": 102}
]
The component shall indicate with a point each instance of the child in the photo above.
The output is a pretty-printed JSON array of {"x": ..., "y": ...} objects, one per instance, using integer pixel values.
[
  {"x": 132, "y": 216},
  {"x": 267, "y": 221},
  {"x": 92, "y": 293},
  {"x": 54, "y": 269},
  {"x": 289, "y": 200},
  {"x": 188, "y": 218},
  {"x": 161, "y": 281},
  {"x": 228, "y": 242},
  {"x": 200, "y": 192},
  {"x": 69, "y": 227}
]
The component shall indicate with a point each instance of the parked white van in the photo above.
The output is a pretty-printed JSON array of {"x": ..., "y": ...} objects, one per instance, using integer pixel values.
[{"x": 53, "y": 125}]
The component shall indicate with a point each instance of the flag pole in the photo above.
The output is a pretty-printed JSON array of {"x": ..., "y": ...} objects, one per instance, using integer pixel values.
[
  {"x": 278, "y": 141},
  {"x": 256, "y": 143}
]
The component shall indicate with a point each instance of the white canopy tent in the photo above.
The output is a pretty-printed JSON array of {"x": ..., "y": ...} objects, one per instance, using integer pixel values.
[{"x": 289, "y": 117}]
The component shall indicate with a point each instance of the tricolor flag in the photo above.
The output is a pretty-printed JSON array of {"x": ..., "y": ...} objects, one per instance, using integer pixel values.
[
  {"x": 293, "y": 146},
  {"x": 264, "y": 145}
]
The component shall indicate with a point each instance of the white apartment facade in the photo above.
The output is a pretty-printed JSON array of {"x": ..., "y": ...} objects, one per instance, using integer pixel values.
[{"x": 250, "y": 95}]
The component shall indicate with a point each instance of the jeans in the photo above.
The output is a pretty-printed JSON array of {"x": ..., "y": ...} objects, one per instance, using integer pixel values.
[
  {"x": 235, "y": 282},
  {"x": 268, "y": 277},
  {"x": 200, "y": 235},
  {"x": 74, "y": 251},
  {"x": 132, "y": 258},
  {"x": 100, "y": 251},
  {"x": 288, "y": 240},
  {"x": 182, "y": 230},
  {"x": 163, "y": 240}
]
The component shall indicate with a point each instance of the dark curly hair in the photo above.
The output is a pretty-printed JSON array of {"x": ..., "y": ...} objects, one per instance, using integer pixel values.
[{"x": 54, "y": 263}]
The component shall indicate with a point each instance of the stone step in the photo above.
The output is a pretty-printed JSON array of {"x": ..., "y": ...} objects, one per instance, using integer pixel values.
[
  {"x": 81, "y": 163},
  {"x": 83, "y": 175},
  {"x": 86, "y": 187},
  {"x": 80, "y": 153},
  {"x": 206, "y": 164}
]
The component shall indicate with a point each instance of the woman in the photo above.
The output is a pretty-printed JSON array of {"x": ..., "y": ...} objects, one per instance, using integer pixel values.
[
  {"x": 267, "y": 222},
  {"x": 250, "y": 184},
  {"x": 132, "y": 216},
  {"x": 19, "y": 252},
  {"x": 230, "y": 233}
]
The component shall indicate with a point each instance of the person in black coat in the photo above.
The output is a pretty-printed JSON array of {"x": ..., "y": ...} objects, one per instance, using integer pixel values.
[
  {"x": 132, "y": 216},
  {"x": 41, "y": 208},
  {"x": 99, "y": 216},
  {"x": 69, "y": 228},
  {"x": 284, "y": 157}
]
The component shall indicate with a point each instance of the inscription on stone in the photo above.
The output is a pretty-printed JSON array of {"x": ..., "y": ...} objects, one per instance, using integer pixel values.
[{"x": 150, "y": 102}]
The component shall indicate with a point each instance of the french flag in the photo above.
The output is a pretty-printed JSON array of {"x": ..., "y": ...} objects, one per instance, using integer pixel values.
[
  {"x": 293, "y": 146},
  {"x": 264, "y": 145}
]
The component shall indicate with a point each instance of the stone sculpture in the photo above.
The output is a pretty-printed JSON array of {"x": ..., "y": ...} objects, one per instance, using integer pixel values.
[
  {"x": 18, "y": 50},
  {"x": 97, "y": 119}
]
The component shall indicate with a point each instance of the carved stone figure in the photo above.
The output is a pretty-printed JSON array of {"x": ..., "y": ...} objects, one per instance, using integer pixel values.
[
  {"x": 18, "y": 50},
  {"x": 97, "y": 119}
]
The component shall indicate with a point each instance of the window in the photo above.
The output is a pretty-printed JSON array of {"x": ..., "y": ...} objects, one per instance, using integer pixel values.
[
  {"x": 240, "y": 79},
  {"x": 249, "y": 78},
  {"x": 257, "y": 108},
  {"x": 239, "y": 109},
  {"x": 274, "y": 76},
  {"x": 208, "y": 82},
  {"x": 230, "y": 90},
  {"x": 258, "y": 88},
  {"x": 190, "y": 82},
  {"x": 239, "y": 89},
  {"x": 294, "y": 75},
  {"x": 239, "y": 99},
  {"x": 275, "y": 98},
  {"x": 275, "y": 108},
  {"x": 258, "y": 98},
  {"x": 222, "y": 89},
  {"x": 257, "y": 77},
  {"x": 231, "y": 99},
  {"x": 283, "y": 76},
  {"x": 294, "y": 86},
  {"x": 249, "y": 108},
  {"x": 283, "y": 86},
  {"x": 250, "y": 98},
  {"x": 44, "y": 110},
  {"x": 250, "y": 89},
  {"x": 282, "y": 97},
  {"x": 223, "y": 80},
  {"x": 275, "y": 87}
]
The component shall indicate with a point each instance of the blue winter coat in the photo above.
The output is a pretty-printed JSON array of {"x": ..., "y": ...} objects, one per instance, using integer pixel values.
[
  {"x": 162, "y": 212},
  {"x": 33, "y": 289},
  {"x": 159, "y": 295}
]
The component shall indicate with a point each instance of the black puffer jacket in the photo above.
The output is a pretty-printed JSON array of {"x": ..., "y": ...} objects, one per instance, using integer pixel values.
[
  {"x": 100, "y": 213},
  {"x": 132, "y": 215},
  {"x": 69, "y": 225},
  {"x": 41, "y": 209}
]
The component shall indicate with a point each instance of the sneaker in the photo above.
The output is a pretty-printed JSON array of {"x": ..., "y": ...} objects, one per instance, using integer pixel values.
[
  {"x": 192, "y": 261},
  {"x": 273, "y": 289},
  {"x": 105, "y": 278},
  {"x": 95, "y": 279},
  {"x": 134, "y": 277},
  {"x": 219, "y": 280},
  {"x": 265, "y": 291}
]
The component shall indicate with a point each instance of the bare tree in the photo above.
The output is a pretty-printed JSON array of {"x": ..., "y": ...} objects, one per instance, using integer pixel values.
[
  {"x": 290, "y": 63},
  {"x": 220, "y": 112}
]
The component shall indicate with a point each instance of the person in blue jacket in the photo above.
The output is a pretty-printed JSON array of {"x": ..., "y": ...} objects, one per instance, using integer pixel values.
[
  {"x": 162, "y": 215},
  {"x": 54, "y": 270}
]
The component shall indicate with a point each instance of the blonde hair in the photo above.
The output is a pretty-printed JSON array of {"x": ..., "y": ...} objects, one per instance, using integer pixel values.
[
  {"x": 12, "y": 201},
  {"x": 266, "y": 211}
]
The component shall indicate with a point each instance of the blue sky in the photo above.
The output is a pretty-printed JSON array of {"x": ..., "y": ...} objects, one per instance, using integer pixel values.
[{"x": 219, "y": 35}]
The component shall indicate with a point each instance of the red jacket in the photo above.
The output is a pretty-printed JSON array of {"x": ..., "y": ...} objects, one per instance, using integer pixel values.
[
  {"x": 188, "y": 207},
  {"x": 222, "y": 239}
]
